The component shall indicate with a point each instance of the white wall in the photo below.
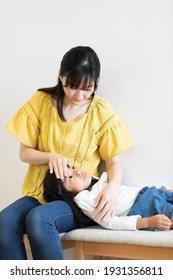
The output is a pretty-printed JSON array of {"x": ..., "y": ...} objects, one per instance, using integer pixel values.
[{"x": 134, "y": 40}]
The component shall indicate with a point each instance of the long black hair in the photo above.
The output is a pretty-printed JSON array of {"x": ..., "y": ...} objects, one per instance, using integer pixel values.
[
  {"x": 54, "y": 190},
  {"x": 80, "y": 66}
]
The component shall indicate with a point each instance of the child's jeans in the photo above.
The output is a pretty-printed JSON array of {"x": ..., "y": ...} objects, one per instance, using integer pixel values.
[{"x": 152, "y": 201}]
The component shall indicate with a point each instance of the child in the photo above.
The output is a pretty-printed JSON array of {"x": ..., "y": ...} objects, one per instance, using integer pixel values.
[{"x": 138, "y": 208}]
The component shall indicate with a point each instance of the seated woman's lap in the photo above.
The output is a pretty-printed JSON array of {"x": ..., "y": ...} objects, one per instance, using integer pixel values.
[
  {"x": 56, "y": 214},
  {"x": 42, "y": 223}
]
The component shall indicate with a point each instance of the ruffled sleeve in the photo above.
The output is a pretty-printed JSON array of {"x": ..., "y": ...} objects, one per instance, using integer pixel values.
[
  {"x": 25, "y": 124},
  {"x": 114, "y": 138}
]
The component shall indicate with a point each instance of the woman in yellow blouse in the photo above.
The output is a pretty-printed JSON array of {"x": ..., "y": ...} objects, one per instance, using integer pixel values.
[{"x": 61, "y": 127}]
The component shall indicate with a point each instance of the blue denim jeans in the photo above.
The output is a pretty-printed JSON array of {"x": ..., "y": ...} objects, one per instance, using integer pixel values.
[
  {"x": 152, "y": 201},
  {"x": 42, "y": 223}
]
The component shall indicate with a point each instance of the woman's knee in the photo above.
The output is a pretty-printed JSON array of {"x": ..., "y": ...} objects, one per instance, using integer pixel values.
[
  {"x": 9, "y": 219},
  {"x": 13, "y": 216},
  {"x": 33, "y": 220},
  {"x": 56, "y": 215},
  {"x": 36, "y": 222}
]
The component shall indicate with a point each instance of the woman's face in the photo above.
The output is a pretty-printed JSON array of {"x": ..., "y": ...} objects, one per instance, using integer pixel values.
[
  {"x": 77, "y": 97},
  {"x": 77, "y": 180}
]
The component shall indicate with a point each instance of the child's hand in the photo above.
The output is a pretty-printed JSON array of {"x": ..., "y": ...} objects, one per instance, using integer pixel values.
[{"x": 160, "y": 221}]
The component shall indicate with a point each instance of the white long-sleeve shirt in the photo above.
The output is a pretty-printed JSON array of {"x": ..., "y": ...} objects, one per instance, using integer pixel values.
[{"x": 86, "y": 199}]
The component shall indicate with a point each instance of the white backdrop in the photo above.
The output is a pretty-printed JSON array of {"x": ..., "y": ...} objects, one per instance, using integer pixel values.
[{"x": 134, "y": 40}]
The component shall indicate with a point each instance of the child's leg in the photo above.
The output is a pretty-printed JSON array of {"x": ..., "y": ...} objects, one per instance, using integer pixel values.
[{"x": 152, "y": 201}]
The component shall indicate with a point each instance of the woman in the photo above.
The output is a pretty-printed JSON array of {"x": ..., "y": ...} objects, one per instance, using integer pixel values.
[
  {"x": 138, "y": 208},
  {"x": 60, "y": 127}
]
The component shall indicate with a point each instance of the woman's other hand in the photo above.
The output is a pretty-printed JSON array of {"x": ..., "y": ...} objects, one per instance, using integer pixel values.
[
  {"x": 107, "y": 200},
  {"x": 106, "y": 203}
]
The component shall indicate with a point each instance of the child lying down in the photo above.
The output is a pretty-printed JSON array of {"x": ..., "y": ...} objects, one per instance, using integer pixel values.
[{"x": 138, "y": 208}]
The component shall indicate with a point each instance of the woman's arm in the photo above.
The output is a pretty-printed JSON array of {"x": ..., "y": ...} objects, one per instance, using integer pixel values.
[
  {"x": 33, "y": 156},
  {"x": 106, "y": 201},
  {"x": 159, "y": 221},
  {"x": 56, "y": 162}
]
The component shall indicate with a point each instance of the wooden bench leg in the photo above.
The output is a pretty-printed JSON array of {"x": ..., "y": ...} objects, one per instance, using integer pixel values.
[{"x": 79, "y": 253}]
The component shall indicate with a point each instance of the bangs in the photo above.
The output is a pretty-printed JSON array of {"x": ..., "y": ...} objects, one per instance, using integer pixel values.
[{"x": 79, "y": 79}]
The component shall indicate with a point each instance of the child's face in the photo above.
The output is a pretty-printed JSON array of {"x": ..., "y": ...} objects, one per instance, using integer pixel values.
[{"x": 77, "y": 180}]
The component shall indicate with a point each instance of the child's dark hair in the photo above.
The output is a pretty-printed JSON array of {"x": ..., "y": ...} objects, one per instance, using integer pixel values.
[
  {"x": 80, "y": 65},
  {"x": 54, "y": 190}
]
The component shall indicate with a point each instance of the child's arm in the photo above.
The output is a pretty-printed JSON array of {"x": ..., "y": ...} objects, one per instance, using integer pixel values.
[{"x": 159, "y": 221}]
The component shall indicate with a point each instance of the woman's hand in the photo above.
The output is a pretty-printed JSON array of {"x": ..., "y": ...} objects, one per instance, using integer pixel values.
[
  {"x": 106, "y": 203},
  {"x": 59, "y": 165},
  {"x": 56, "y": 162}
]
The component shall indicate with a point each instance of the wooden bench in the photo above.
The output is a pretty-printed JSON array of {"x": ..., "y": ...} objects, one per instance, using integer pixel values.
[{"x": 99, "y": 242}]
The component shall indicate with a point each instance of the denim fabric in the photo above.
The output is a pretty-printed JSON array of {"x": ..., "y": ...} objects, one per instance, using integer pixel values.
[
  {"x": 152, "y": 201},
  {"x": 42, "y": 223}
]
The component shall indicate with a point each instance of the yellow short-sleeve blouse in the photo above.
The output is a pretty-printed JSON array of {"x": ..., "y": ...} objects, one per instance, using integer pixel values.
[{"x": 95, "y": 135}]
